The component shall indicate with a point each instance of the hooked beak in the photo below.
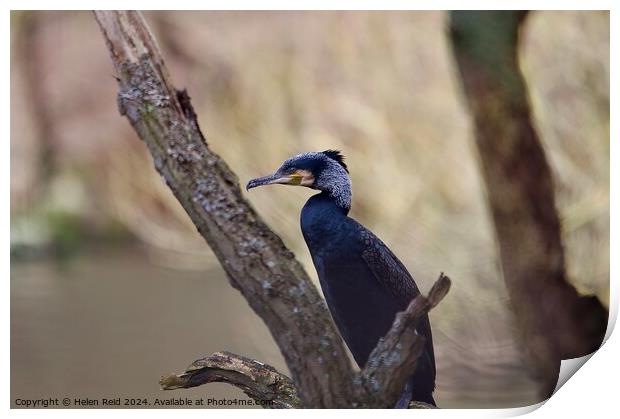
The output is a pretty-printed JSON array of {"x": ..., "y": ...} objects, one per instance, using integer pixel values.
[{"x": 303, "y": 179}]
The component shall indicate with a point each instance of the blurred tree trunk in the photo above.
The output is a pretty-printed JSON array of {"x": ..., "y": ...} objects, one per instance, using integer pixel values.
[
  {"x": 256, "y": 260},
  {"x": 555, "y": 321},
  {"x": 31, "y": 56}
]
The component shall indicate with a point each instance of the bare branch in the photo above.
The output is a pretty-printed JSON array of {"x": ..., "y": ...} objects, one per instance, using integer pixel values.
[
  {"x": 261, "y": 382},
  {"x": 394, "y": 359},
  {"x": 257, "y": 263}
]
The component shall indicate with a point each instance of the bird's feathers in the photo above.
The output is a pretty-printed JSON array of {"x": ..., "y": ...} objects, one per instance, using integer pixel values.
[
  {"x": 337, "y": 155},
  {"x": 387, "y": 268},
  {"x": 389, "y": 271}
]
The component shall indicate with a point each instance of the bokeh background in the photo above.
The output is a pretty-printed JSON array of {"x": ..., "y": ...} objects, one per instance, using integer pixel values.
[{"x": 111, "y": 286}]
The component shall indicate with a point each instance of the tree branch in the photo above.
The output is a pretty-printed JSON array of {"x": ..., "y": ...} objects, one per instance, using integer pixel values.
[
  {"x": 255, "y": 259},
  {"x": 380, "y": 383},
  {"x": 257, "y": 263},
  {"x": 394, "y": 359},
  {"x": 261, "y": 382}
]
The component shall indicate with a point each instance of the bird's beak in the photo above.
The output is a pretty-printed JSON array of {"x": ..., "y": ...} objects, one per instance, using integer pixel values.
[
  {"x": 268, "y": 180},
  {"x": 298, "y": 178}
]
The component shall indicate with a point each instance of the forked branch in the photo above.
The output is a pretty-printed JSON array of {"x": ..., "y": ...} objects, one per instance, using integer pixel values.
[{"x": 380, "y": 383}]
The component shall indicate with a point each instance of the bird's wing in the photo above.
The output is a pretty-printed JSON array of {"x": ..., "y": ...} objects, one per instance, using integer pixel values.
[
  {"x": 386, "y": 267},
  {"x": 390, "y": 272}
]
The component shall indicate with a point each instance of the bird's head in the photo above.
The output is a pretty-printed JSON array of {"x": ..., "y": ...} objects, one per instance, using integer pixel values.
[
  {"x": 325, "y": 171},
  {"x": 316, "y": 170}
]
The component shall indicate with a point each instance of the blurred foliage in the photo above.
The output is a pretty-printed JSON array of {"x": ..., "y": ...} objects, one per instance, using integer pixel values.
[{"x": 380, "y": 86}]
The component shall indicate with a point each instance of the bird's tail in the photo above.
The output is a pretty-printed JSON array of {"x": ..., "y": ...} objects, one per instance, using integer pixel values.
[
  {"x": 403, "y": 402},
  {"x": 407, "y": 397}
]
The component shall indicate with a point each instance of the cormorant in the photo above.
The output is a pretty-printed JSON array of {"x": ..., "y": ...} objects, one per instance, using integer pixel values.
[{"x": 364, "y": 283}]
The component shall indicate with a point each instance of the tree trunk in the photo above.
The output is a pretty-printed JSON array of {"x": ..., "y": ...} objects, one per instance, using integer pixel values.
[{"x": 556, "y": 322}]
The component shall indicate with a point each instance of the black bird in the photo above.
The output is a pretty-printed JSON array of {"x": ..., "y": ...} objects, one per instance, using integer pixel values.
[{"x": 364, "y": 283}]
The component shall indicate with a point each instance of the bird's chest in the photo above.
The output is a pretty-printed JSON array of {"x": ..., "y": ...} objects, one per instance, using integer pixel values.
[
  {"x": 324, "y": 232},
  {"x": 347, "y": 282},
  {"x": 362, "y": 309}
]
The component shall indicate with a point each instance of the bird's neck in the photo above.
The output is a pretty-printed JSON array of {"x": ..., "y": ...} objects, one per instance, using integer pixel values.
[
  {"x": 321, "y": 217},
  {"x": 324, "y": 204},
  {"x": 339, "y": 201},
  {"x": 339, "y": 192}
]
